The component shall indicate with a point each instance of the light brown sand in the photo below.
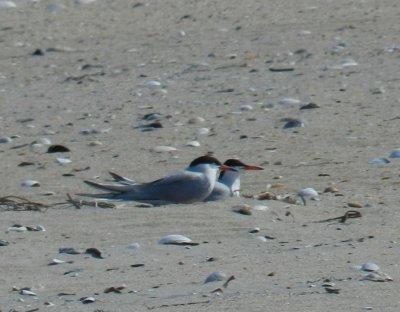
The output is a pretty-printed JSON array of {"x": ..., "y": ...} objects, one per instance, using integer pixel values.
[{"x": 351, "y": 127}]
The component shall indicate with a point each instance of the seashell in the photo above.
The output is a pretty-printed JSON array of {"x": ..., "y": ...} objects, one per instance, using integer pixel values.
[
  {"x": 308, "y": 193},
  {"x": 39, "y": 228},
  {"x": 262, "y": 238},
  {"x": 215, "y": 277},
  {"x": 193, "y": 143},
  {"x": 254, "y": 230},
  {"x": 94, "y": 252},
  {"x": 95, "y": 143},
  {"x": 63, "y": 161},
  {"x": 242, "y": 209},
  {"x": 30, "y": 183},
  {"x": 377, "y": 277},
  {"x": 245, "y": 107},
  {"x": 369, "y": 267},
  {"x": 57, "y": 149},
  {"x": 355, "y": 205},
  {"x": 3, "y": 243},
  {"x": 196, "y": 120},
  {"x": 310, "y": 106},
  {"x": 44, "y": 141},
  {"x": 17, "y": 228},
  {"x": 176, "y": 239},
  {"x": 293, "y": 123},
  {"x": 26, "y": 292},
  {"x": 203, "y": 131},
  {"x": 331, "y": 189},
  {"x": 153, "y": 83},
  {"x": 260, "y": 208},
  {"x": 266, "y": 196},
  {"x": 56, "y": 261},
  {"x": 348, "y": 63},
  {"x": 162, "y": 149},
  {"x": 289, "y": 101},
  {"x": 68, "y": 250},
  {"x": 7, "y": 4},
  {"x": 395, "y": 153},
  {"x": 4, "y": 139},
  {"x": 380, "y": 161},
  {"x": 134, "y": 246},
  {"x": 152, "y": 116},
  {"x": 86, "y": 300}
]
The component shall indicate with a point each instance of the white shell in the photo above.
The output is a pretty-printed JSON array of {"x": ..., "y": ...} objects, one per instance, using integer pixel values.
[
  {"x": 5, "y": 140},
  {"x": 308, "y": 192},
  {"x": 245, "y": 107},
  {"x": 174, "y": 239},
  {"x": 262, "y": 238},
  {"x": 56, "y": 261},
  {"x": 30, "y": 183},
  {"x": 215, "y": 277},
  {"x": 196, "y": 119},
  {"x": 289, "y": 101},
  {"x": 88, "y": 300},
  {"x": 40, "y": 228},
  {"x": 162, "y": 149},
  {"x": 7, "y": 4},
  {"x": 17, "y": 228},
  {"x": 203, "y": 131},
  {"x": 395, "y": 154},
  {"x": 153, "y": 83},
  {"x": 25, "y": 292},
  {"x": 370, "y": 267},
  {"x": 193, "y": 143},
  {"x": 64, "y": 161},
  {"x": 348, "y": 63}
]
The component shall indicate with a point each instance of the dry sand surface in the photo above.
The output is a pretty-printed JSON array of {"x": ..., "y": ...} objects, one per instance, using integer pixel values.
[{"x": 95, "y": 78}]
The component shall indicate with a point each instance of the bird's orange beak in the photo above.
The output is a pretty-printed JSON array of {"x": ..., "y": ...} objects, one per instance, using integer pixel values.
[
  {"x": 226, "y": 168},
  {"x": 250, "y": 167}
]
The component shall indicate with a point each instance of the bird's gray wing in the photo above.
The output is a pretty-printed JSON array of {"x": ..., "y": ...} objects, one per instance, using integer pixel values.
[
  {"x": 121, "y": 179},
  {"x": 220, "y": 191}
]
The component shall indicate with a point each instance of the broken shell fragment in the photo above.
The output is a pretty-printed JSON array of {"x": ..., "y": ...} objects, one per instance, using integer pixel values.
[
  {"x": 355, "y": 205},
  {"x": 63, "y": 161},
  {"x": 86, "y": 300},
  {"x": 193, "y": 143},
  {"x": 242, "y": 209},
  {"x": 27, "y": 292},
  {"x": 308, "y": 192},
  {"x": 215, "y": 277},
  {"x": 163, "y": 149}
]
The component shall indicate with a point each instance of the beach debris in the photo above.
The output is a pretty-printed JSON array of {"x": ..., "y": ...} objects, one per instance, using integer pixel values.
[
  {"x": 134, "y": 246},
  {"x": 95, "y": 143},
  {"x": 281, "y": 69},
  {"x": 176, "y": 239},
  {"x": 153, "y": 84},
  {"x": 163, "y": 149},
  {"x": 98, "y": 204},
  {"x": 331, "y": 290},
  {"x": 262, "y": 238},
  {"x": 203, "y": 131},
  {"x": 342, "y": 219},
  {"x": 196, "y": 120},
  {"x": 94, "y": 252},
  {"x": 308, "y": 192},
  {"x": 57, "y": 148},
  {"x": 331, "y": 189},
  {"x": 56, "y": 261},
  {"x": 7, "y": 4},
  {"x": 377, "y": 277},
  {"x": 254, "y": 230},
  {"x": 380, "y": 161},
  {"x": 37, "y": 228},
  {"x": 243, "y": 209},
  {"x": 87, "y": 300},
  {"x": 68, "y": 250},
  {"x": 354, "y": 205},
  {"x": 289, "y": 101},
  {"x": 348, "y": 63},
  {"x": 395, "y": 153},
  {"x": 215, "y": 277},
  {"x": 17, "y": 228},
  {"x": 309, "y": 106},
  {"x": 63, "y": 161},
  {"x": 193, "y": 143},
  {"x": 114, "y": 289},
  {"x": 17, "y": 203},
  {"x": 4, "y": 140},
  {"x": 30, "y": 183},
  {"x": 137, "y": 265},
  {"x": 293, "y": 123},
  {"x": 26, "y": 291},
  {"x": 245, "y": 107},
  {"x": 369, "y": 267},
  {"x": 3, "y": 243}
]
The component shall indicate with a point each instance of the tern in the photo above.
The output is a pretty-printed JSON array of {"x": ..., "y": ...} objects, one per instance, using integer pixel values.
[
  {"x": 228, "y": 184},
  {"x": 193, "y": 184}
]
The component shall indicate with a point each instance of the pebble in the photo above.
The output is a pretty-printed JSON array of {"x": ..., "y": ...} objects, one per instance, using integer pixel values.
[
  {"x": 348, "y": 63},
  {"x": 203, "y": 131},
  {"x": 331, "y": 189},
  {"x": 86, "y": 300},
  {"x": 4, "y": 242},
  {"x": 355, "y": 205},
  {"x": 395, "y": 154},
  {"x": 215, "y": 277},
  {"x": 57, "y": 149},
  {"x": 153, "y": 83},
  {"x": 193, "y": 143},
  {"x": 242, "y": 209},
  {"x": 163, "y": 148},
  {"x": 308, "y": 193},
  {"x": 4, "y": 140},
  {"x": 254, "y": 230},
  {"x": 95, "y": 143},
  {"x": 196, "y": 120},
  {"x": 30, "y": 183},
  {"x": 175, "y": 239},
  {"x": 293, "y": 123},
  {"x": 245, "y": 107}
]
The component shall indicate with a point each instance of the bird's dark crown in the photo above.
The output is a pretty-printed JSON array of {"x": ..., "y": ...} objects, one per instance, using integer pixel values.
[
  {"x": 205, "y": 160},
  {"x": 234, "y": 163}
]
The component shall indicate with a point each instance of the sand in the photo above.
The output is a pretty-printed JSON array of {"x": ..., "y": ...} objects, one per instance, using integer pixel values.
[{"x": 211, "y": 57}]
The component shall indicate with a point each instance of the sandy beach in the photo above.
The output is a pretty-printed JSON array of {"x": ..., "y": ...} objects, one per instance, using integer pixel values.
[{"x": 237, "y": 77}]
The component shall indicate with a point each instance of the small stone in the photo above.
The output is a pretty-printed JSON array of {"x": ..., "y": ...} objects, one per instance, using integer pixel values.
[
  {"x": 86, "y": 300},
  {"x": 246, "y": 107},
  {"x": 196, "y": 120},
  {"x": 30, "y": 183},
  {"x": 57, "y": 149},
  {"x": 193, "y": 143},
  {"x": 331, "y": 189},
  {"x": 242, "y": 209},
  {"x": 95, "y": 143},
  {"x": 354, "y": 205},
  {"x": 310, "y": 106},
  {"x": 254, "y": 230}
]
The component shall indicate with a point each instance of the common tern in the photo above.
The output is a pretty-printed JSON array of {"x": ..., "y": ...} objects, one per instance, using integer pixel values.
[
  {"x": 193, "y": 184},
  {"x": 228, "y": 184}
]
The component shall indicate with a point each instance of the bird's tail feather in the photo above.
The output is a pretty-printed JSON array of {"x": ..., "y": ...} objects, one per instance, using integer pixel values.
[{"x": 116, "y": 188}]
